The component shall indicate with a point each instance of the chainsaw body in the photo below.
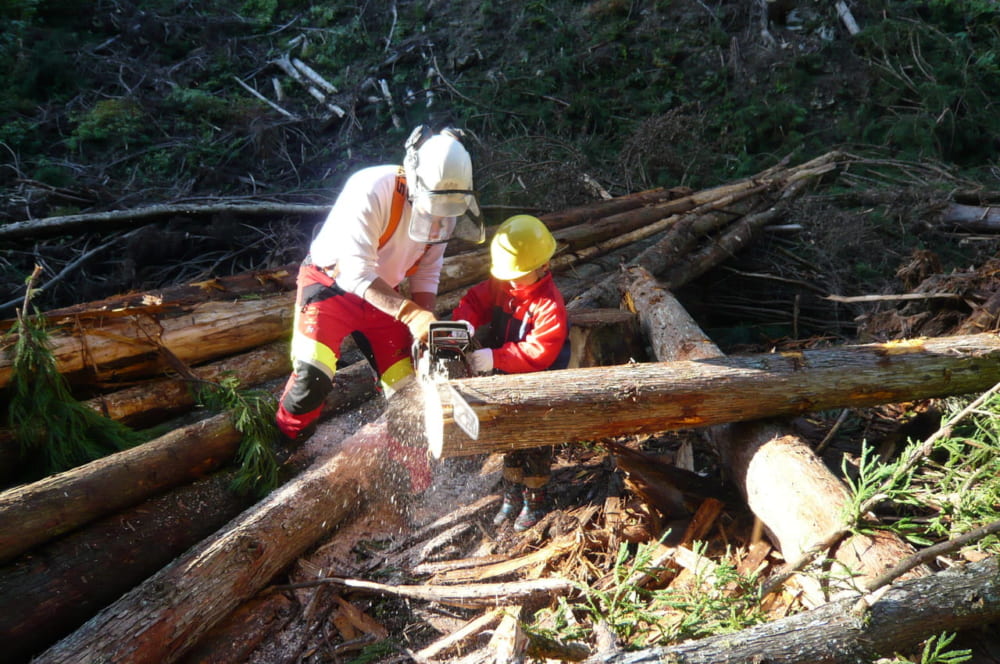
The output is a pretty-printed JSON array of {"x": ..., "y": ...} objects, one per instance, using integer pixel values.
[
  {"x": 446, "y": 353},
  {"x": 445, "y": 356}
]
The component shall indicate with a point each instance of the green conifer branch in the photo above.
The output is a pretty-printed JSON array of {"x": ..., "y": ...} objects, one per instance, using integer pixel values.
[
  {"x": 47, "y": 421},
  {"x": 252, "y": 414}
]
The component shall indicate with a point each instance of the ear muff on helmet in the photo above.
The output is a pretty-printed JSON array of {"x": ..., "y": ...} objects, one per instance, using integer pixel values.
[
  {"x": 417, "y": 138},
  {"x": 520, "y": 245}
]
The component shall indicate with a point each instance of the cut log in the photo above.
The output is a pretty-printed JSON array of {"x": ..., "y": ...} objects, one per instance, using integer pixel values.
[
  {"x": 54, "y": 589},
  {"x": 550, "y": 408},
  {"x": 156, "y": 400},
  {"x": 159, "y": 620},
  {"x": 795, "y": 496},
  {"x": 125, "y": 344},
  {"x": 898, "y": 619},
  {"x": 252, "y": 284},
  {"x": 972, "y": 218},
  {"x": 35, "y": 513}
]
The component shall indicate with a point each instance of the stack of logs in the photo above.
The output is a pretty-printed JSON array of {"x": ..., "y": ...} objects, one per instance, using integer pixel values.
[{"x": 85, "y": 577}]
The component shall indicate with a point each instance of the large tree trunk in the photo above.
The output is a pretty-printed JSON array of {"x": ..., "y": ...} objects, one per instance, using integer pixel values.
[
  {"x": 159, "y": 620},
  {"x": 795, "y": 496},
  {"x": 902, "y": 617},
  {"x": 527, "y": 410}
]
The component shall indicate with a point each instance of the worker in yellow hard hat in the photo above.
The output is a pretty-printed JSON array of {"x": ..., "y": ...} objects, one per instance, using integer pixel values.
[{"x": 520, "y": 320}]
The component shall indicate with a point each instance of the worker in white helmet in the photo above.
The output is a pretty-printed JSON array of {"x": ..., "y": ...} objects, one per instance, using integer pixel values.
[{"x": 389, "y": 223}]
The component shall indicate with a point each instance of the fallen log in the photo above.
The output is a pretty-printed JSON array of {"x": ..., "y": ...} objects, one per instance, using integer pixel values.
[
  {"x": 127, "y": 344},
  {"x": 162, "y": 618},
  {"x": 682, "y": 238},
  {"x": 49, "y": 592},
  {"x": 38, "y": 512},
  {"x": 896, "y": 620},
  {"x": 785, "y": 484},
  {"x": 35, "y": 513},
  {"x": 528, "y": 410},
  {"x": 255, "y": 283},
  {"x": 156, "y": 400},
  {"x": 971, "y": 218},
  {"x": 80, "y": 223}
]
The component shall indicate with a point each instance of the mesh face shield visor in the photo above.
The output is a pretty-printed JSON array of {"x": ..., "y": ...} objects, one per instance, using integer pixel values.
[{"x": 440, "y": 214}]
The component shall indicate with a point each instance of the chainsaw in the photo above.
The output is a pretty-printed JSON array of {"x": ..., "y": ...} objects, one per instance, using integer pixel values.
[{"x": 445, "y": 356}]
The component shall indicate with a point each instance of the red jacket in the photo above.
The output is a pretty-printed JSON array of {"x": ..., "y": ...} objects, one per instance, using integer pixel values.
[{"x": 529, "y": 324}]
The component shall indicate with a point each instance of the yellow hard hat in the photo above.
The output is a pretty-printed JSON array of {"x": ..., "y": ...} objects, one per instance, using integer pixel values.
[{"x": 521, "y": 244}]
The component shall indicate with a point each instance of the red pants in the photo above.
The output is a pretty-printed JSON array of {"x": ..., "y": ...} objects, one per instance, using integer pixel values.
[{"x": 324, "y": 315}]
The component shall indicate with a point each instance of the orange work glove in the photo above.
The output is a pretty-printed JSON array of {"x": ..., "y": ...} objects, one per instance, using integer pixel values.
[{"x": 416, "y": 318}]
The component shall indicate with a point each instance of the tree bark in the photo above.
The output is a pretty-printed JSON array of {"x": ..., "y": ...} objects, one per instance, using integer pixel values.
[
  {"x": 602, "y": 337},
  {"x": 35, "y": 513},
  {"x": 528, "y": 410},
  {"x": 902, "y": 617},
  {"x": 162, "y": 618},
  {"x": 54, "y": 589},
  {"x": 972, "y": 218}
]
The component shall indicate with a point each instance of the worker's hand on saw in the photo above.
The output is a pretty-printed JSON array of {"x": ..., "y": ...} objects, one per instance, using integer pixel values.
[
  {"x": 481, "y": 361},
  {"x": 416, "y": 318}
]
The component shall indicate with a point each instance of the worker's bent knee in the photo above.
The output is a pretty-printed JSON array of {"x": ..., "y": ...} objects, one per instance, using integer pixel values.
[{"x": 308, "y": 390}]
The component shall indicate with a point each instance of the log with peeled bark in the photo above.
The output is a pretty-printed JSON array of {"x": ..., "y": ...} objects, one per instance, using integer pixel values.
[
  {"x": 971, "y": 218},
  {"x": 35, "y": 513},
  {"x": 552, "y": 407},
  {"x": 786, "y": 485},
  {"x": 908, "y": 612},
  {"x": 160, "y": 619}
]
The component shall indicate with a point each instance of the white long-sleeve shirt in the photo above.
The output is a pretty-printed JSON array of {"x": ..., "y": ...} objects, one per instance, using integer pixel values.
[{"x": 350, "y": 236}]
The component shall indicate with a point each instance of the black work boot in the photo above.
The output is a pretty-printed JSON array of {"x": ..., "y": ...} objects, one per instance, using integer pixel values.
[
  {"x": 513, "y": 499},
  {"x": 533, "y": 510}
]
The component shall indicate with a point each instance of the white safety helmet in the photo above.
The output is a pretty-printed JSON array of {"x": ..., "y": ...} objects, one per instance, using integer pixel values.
[{"x": 439, "y": 177}]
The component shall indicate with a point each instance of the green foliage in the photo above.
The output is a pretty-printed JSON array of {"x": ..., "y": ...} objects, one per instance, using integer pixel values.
[
  {"x": 252, "y": 414},
  {"x": 934, "y": 652},
  {"x": 951, "y": 484},
  {"x": 48, "y": 422},
  {"x": 717, "y": 601},
  {"x": 962, "y": 478},
  {"x": 261, "y": 11},
  {"x": 111, "y": 123},
  {"x": 373, "y": 652},
  {"x": 935, "y": 95}
]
